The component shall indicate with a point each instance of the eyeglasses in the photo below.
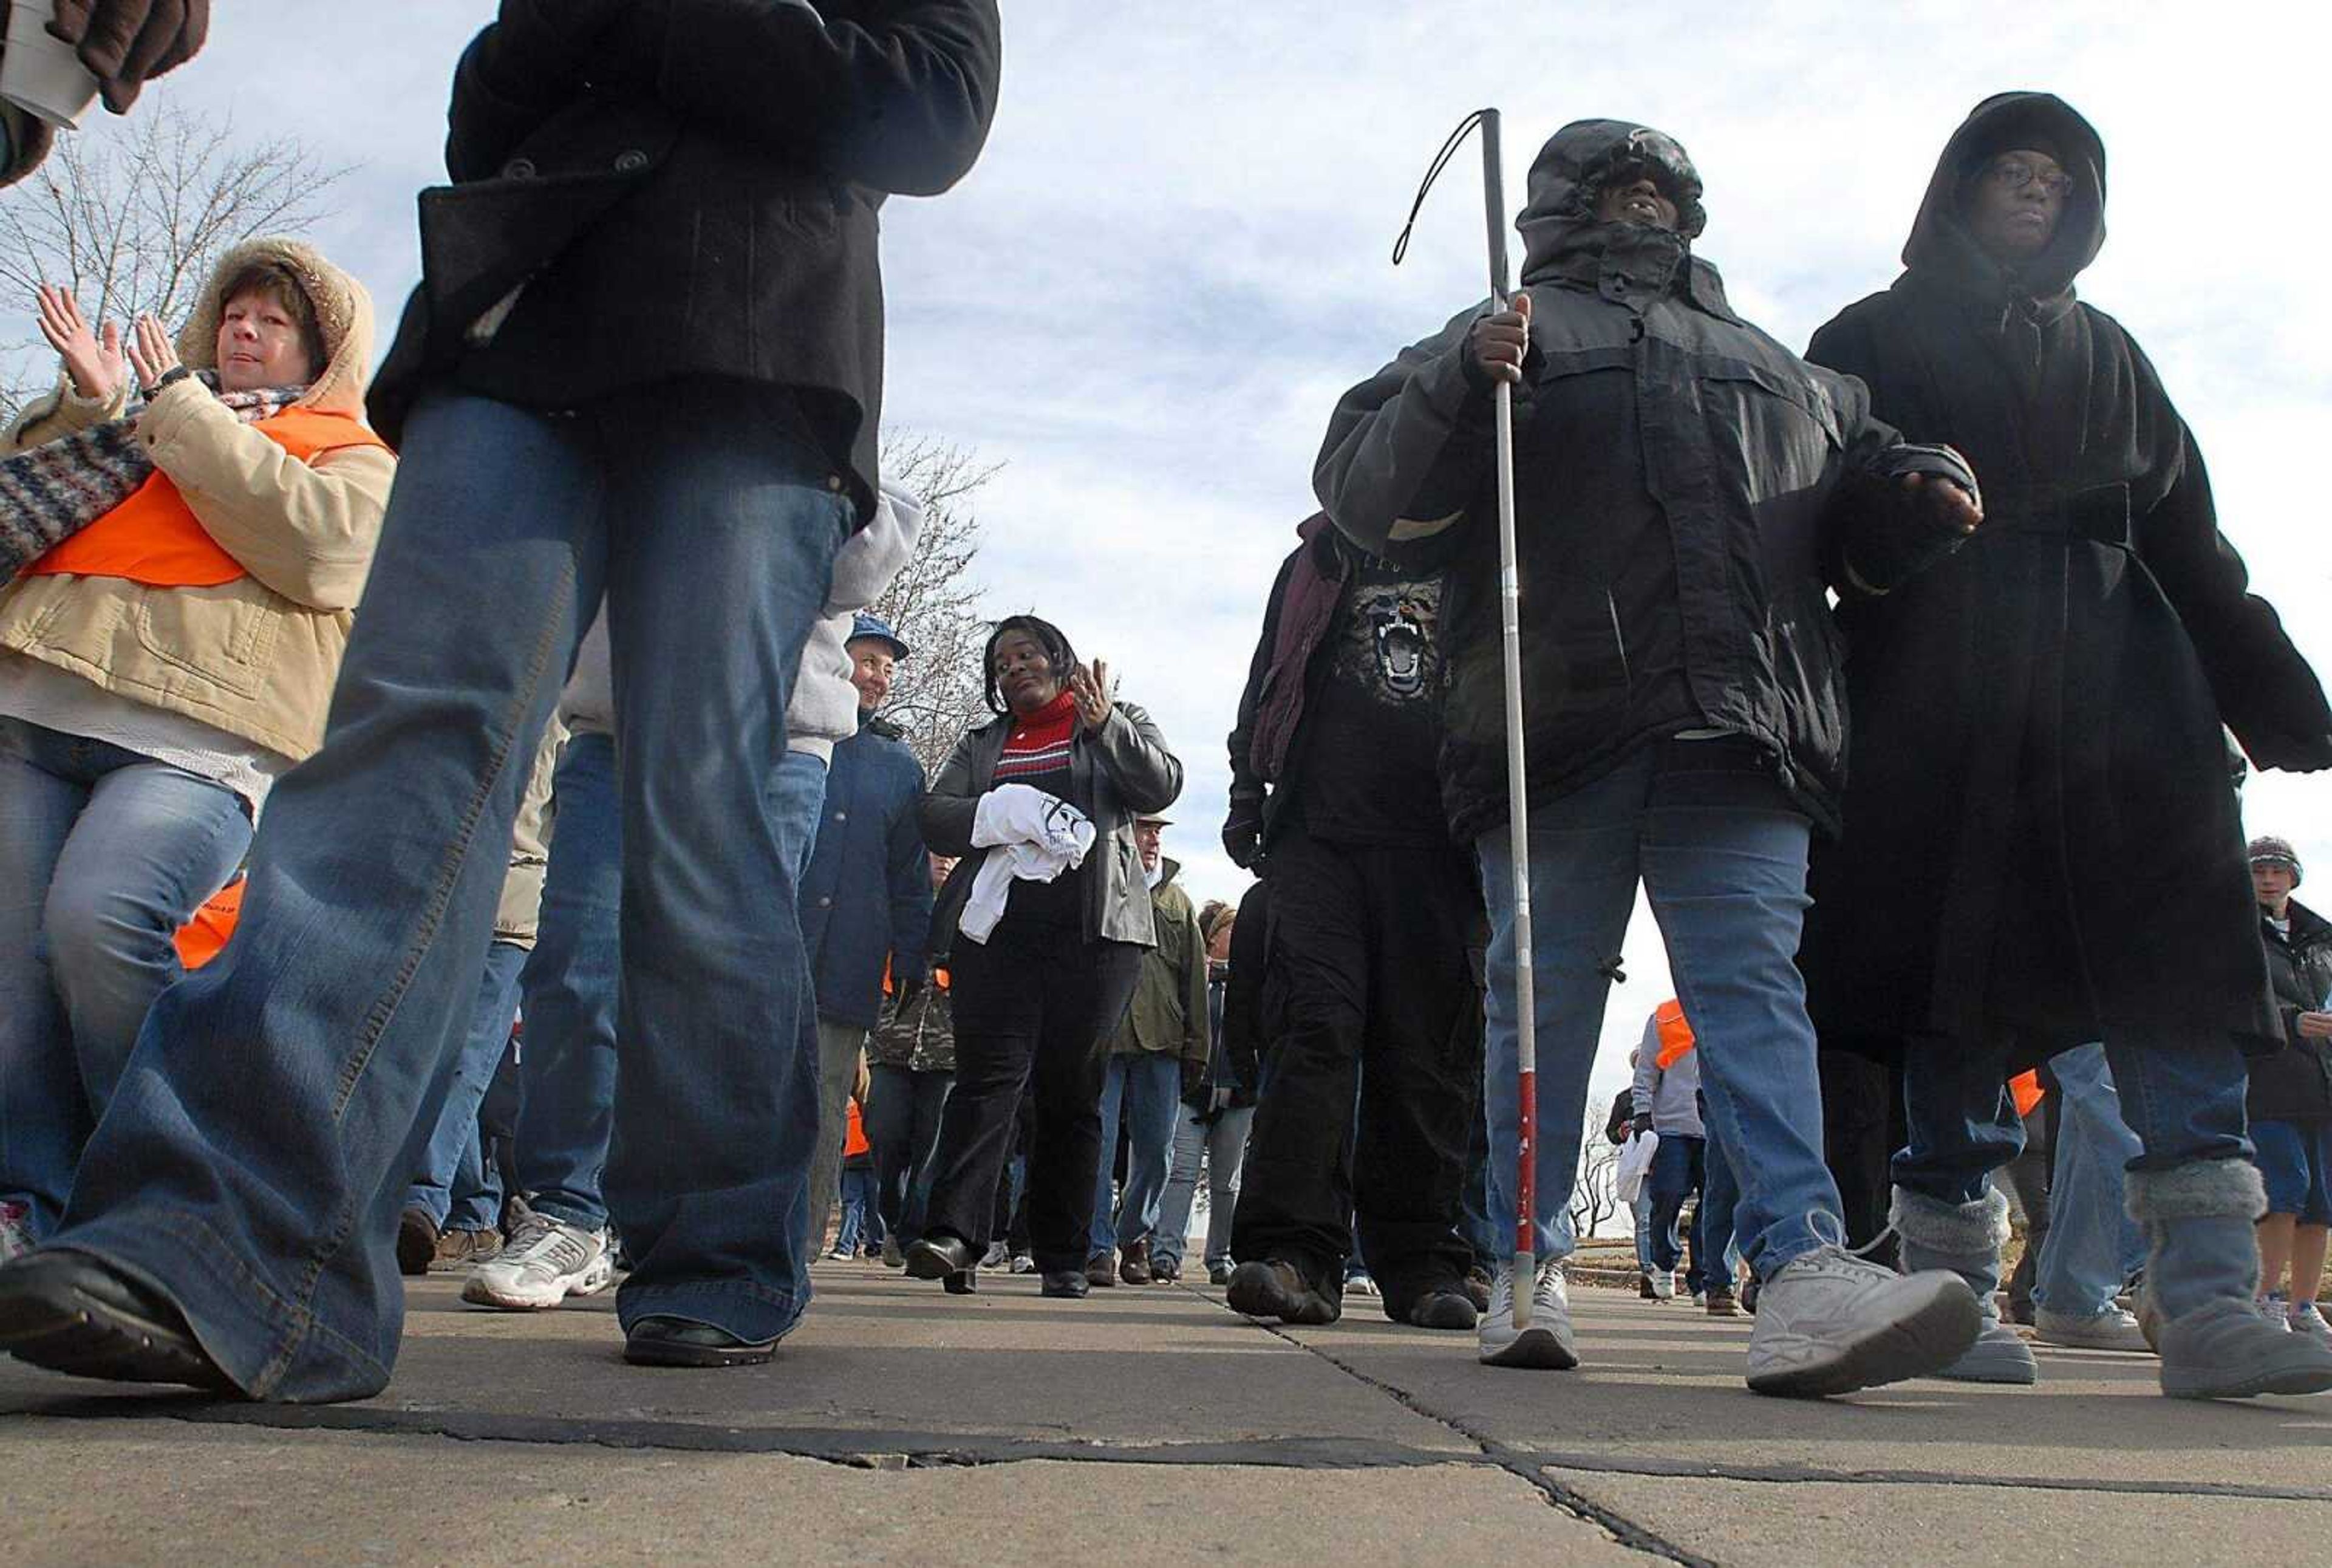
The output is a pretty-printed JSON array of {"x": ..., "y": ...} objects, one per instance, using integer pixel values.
[{"x": 2015, "y": 174}]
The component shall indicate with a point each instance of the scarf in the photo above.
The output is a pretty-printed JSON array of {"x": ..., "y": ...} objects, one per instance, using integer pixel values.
[{"x": 55, "y": 491}]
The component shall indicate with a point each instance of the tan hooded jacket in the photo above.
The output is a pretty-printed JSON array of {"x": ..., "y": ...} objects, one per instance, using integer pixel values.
[{"x": 256, "y": 656}]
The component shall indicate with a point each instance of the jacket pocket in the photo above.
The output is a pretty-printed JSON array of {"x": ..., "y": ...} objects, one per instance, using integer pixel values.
[{"x": 222, "y": 635}]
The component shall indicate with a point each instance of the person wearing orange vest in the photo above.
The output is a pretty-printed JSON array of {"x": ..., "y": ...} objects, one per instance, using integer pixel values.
[
  {"x": 1666, "y": 1099},
  {"x": 209, "y": 511}
]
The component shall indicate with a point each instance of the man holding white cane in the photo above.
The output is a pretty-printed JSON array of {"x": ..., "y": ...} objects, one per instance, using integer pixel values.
[{"x": 1685, "y": 488}]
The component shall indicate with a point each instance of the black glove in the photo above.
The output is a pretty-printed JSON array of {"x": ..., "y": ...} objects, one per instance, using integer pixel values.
[
  {"x": 1640, "y": 1126},
  {"x": 1194, "y": 1077},
  {"x": 1243, "y": 839}
]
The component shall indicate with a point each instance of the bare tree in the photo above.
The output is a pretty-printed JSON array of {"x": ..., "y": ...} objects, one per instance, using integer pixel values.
[
  {"x": 1594, "y": 1192},
  {"x": 132, "y": 217},
  {"x": 937, "y": 692}
]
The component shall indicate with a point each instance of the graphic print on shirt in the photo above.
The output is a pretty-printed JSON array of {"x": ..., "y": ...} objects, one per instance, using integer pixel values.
[{"x": 1389, "y": 646}]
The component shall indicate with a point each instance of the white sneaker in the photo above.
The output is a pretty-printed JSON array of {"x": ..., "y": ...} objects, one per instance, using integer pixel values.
[
  {"x": 2112, "y": 1329},
  {"x": 1829, "y": 1323},
  {"x": 2304, "y": 1317},
  {"x": 1361, "y": 1285},
  {"x": 15, "y": 1230},
  {"x": 543, "y": 1263},
  {"x": 1546, "y": 1343},
  {"x": 1663, "y": 1285}
]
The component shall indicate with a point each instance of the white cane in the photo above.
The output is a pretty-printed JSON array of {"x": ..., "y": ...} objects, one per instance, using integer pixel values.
[{"x": 1494, "y": 197}]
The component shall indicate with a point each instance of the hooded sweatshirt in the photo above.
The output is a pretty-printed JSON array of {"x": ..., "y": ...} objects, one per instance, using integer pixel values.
[{"x": 230, "y": 682}]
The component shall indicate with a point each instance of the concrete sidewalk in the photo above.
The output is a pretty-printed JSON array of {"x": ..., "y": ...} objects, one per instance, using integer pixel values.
[{"x": 1147, "y": 1425}]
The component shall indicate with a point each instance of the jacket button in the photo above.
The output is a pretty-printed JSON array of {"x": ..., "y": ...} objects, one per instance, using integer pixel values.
[
  {"x": 826, "y": 903},
  {"x": 518, "y": 169},
  {"x": 631, "y": 161},
  {"x": 842, "y": 816},
  {"x": 833, "y": 482}
]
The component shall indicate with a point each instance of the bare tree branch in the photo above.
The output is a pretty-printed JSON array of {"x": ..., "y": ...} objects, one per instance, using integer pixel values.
[
  {"x": 934, "y": 604},
  {"x": 133, "y": 216}
]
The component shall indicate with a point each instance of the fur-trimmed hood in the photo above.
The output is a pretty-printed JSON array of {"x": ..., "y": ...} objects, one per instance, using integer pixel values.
[{"x": 343, "y": 316}]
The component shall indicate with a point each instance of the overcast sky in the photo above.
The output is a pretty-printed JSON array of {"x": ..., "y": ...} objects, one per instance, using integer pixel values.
[{"x": 1173, "y": 257}]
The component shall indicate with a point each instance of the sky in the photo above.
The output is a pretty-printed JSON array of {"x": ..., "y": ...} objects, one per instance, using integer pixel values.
[{"x": 1173, "y": 257}]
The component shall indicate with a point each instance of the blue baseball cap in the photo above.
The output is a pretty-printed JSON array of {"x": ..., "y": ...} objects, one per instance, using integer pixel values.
[{"x": 866, "y": 625}]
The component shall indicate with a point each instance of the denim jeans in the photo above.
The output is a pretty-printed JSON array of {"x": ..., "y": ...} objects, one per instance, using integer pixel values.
[
  {"x": 1221, "y": 1143},
  {"x": 1676, "y": 1175},
  {"x": 1720, "y": 1195},
  {"x": 103, "y": 855},
  {"x": 862, "y": 1218},
  {"x": 902, "y": 1123},
  {"x": 264, "y": 1201},
  {"x": 1641, "y": 1211},
  {"x": 1142, "y": 1091},
  {"x": 2093, "y": 1246},
  {"x": 486, "y": 1036},
  {"x": 567, "y": 1113},
  {"x": 1721, "y": 853}
]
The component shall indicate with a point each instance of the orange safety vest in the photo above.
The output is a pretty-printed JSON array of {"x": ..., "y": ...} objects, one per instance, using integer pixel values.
[
  {"x": 2026, "y": 1088},
  {"x": 200, "y": 939},
  {"x": 154, "y": 537},
  {"x": 1676, "y": 1035},
  {"x": 854, "y": 1143}
]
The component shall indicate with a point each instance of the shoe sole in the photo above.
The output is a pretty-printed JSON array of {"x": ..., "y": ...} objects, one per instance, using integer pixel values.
[
  {"x": 662, "y": 1354},
  {"x": 1534, "y": 1349},
  {"x": 2299, "y": 1379},
  {"x": 1925, "y": 1342},
  {"x": 1259, "y": 1295},
  {"x": 83, "y": 1337}
]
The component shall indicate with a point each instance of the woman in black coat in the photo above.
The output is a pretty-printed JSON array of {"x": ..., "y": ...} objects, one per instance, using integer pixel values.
[{"x": 2040, "y": 845}]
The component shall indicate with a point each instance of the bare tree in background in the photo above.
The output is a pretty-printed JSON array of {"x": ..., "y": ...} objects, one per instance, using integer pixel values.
[
  {"x": 133, "y": 216},
  {"x": 937, "y": 692},
  {"x": 1595, "y": 1192}
]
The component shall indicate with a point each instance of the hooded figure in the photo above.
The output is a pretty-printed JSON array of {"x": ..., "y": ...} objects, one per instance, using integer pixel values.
[
  {"x": 2040, "y": 839},
  {"x": 2041, "y": 847},
  {"x": 1686, "y": 490}
]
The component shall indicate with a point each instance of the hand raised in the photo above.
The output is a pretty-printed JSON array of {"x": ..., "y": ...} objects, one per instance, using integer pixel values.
[
  {"x": 151, "y": 353},
  {"x": 92, "y": 361},
  {"x": 1089, "y": 685}
]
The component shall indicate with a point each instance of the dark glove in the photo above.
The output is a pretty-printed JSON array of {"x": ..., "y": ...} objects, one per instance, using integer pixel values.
[
  {"x": 1243, "y": 839},
  {"x": 125, "y": 43},
  {"x": 1640, "y": 1126},
  {"x": 1194, "y": 1077}
]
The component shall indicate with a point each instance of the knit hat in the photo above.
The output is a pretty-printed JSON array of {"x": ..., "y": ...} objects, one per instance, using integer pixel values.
[{"x": 2270, "y": 850}]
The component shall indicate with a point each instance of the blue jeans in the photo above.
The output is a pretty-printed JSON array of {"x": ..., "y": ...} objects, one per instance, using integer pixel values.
[
  {"x": 1145, "y": 1088},
  {"x": 2093, "y": 1246},
  {"x": 1721, "y": 853},
  {"x": 1221, "y": 1142},
  {"x": 103, "y": 855},
  {"x": 264, "y": 1201},
  {"x": 862, "y": 1218},
  {"x": 902, "y": 1125},
  {"x": 1720, "y": 1196},
  {"x": 454, "y": 1144},
  {"x": 1676, "y": 1175}
]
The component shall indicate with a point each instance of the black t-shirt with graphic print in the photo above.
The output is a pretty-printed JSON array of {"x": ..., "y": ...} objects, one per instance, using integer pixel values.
[{"x": 1365, "y": 772}]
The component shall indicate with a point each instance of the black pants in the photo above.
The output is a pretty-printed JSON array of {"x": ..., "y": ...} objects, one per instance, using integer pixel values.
[
  {"x": 902, "y": 1125},
  {"x": 1862, "y": 1126},
  {"x": 1034, "y": 1006},
  {"x": 1370, "y": 994}
]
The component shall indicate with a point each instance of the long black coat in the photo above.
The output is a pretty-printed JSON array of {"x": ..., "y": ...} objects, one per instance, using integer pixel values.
[
  {"x": 2040, "y": 839},
  {"x": 2294, "y": 1085}
]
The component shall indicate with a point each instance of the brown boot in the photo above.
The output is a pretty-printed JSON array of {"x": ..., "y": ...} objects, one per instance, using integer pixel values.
[
  {"x": 1133, "y": 1262},
  {"x": 416, "y": 1242},
  {"x": 460, "y": 1248}
]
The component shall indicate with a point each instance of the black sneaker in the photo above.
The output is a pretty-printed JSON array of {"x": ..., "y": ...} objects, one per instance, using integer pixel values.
[
  {"x": 1274, "y": 1288},
  {"x": 1067, "y": 1284},
  {"x": 72, "y": 1311},
  {"x": 1446, "y": 1307},
  {"x": 678, "y": 1342}
]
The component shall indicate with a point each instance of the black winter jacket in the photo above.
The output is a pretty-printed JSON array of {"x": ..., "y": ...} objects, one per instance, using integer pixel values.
[
  {"x": 2040, "y": 842},
  {"x": 2295, "y": 1084},
  {"x": 690, "y": 191},
  {"x": 1685, "y": 489}
]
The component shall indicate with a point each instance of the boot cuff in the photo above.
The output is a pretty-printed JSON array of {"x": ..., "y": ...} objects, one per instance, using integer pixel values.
[
  {"x": 1933, "y": 1225},
  {"x": 2199, "y": 1189}
]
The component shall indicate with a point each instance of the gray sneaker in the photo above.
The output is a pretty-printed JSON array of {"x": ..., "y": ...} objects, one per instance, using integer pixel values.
[
  {"x": 2224, "y": 1350},
  {"x": 1829, "y": 1323},
  {"x": 1546, "y": 1344},
  {"x": 15, "y": 1230},
  {"x": 2112, "y": 1329},
  {"x": 543, "y": 1263},
  {"x": 2307, "y": 1318}
]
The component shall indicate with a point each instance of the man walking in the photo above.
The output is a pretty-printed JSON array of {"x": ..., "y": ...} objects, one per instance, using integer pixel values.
[{"x": 634, "y": 366}]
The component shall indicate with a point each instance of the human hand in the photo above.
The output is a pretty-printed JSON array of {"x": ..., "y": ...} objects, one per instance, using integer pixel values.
[
  {"x": 1194, "y": 1077},
  {"x": 152, "y": 355},
  {"x": 1243, "y": 840},
  {"x": 1089, "y": 685},
  {"x": 2316, "y": 1025},
  {"x": 1945, "y": 501},
  {"x": 1640, "y": 1126},
  {"x": 1496, "y": 344},
  {"x": 92, "y": 361}
]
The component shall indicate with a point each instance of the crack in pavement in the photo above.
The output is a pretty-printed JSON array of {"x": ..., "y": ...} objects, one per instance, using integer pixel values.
[{"x": 1514, "y": 1461}]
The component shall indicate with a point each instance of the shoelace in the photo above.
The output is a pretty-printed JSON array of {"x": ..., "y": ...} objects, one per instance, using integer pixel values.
[{"x": 540, "y": 1239}]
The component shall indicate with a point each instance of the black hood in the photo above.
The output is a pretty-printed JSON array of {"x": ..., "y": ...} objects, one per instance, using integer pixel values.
[
  {"x": 1563, "y": 239},
  {"x": 1941, "y": 250}
]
